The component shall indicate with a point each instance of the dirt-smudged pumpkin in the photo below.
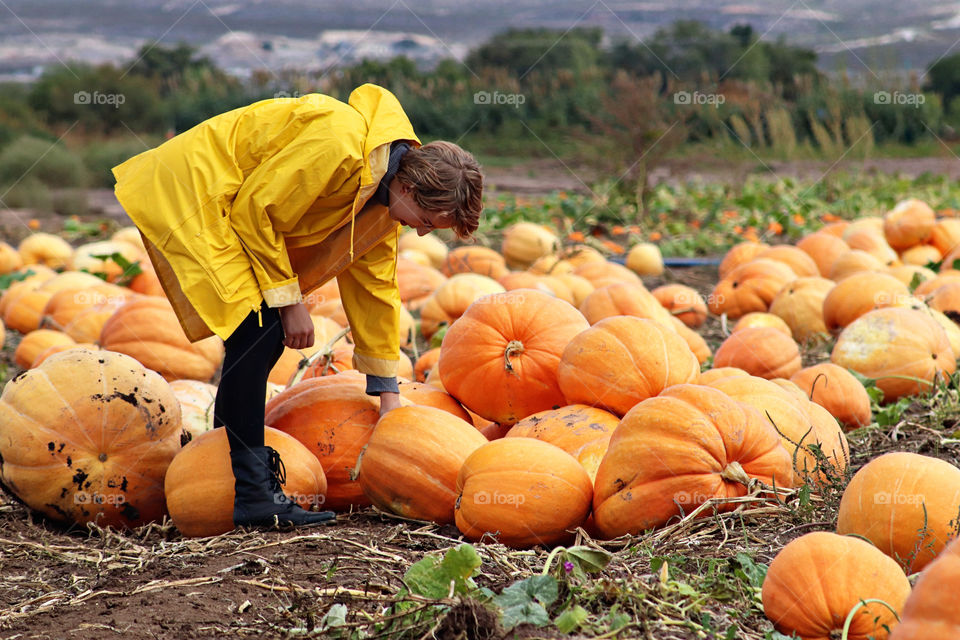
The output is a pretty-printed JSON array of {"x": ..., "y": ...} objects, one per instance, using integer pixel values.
[
  {"x": 674, "y": 452},
  {"x": 623, "y": 360},
  {"x": 906, "y": 504},
  {"x": 146, "y": 328},
  {"x": 931, "y": 613},
  {"x": 522, "y": 492},
  {"x": 334, "y": 417},
  {"x": 816, "y": 580},
  {"x": 411, "y": 462},
  {"x": 500, "y": 358},
  {"x": 904, "y": 350},
  {"x": 570, "y": 428},
  {"x": 200, "y": 486},
  {"x": 87, "y": 437}
]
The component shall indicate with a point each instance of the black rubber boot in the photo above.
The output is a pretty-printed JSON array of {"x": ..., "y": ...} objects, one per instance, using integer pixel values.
[{"x": 260, "y": 501}]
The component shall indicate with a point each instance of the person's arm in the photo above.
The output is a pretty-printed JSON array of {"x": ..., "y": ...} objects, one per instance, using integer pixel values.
[
  {"x": 371, "y": 300},
  {"x": 274, "y": 197}
]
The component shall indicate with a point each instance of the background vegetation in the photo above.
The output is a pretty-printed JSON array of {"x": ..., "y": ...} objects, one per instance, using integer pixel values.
[{"x": 621, "y": 106}]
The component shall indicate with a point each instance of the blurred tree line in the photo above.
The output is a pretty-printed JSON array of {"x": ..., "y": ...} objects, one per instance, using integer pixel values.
[{"x": 525, "y": 91}]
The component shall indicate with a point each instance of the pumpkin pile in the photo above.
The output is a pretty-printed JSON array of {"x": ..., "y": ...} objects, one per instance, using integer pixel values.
[{"x": 558, "y": 394}]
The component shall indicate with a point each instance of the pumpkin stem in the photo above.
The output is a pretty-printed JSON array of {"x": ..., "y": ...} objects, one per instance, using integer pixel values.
[
  {"x": 733, "y": 472},
  {"x": 514, "y": 347}
]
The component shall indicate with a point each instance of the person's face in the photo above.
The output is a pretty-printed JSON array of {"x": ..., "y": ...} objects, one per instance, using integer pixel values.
[{"x": 405, "y": 210}]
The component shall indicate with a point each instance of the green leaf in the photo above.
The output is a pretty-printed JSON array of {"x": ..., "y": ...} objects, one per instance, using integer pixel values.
[
  {"x": 587, "y": 559},
  {"x": 571, "y": 619},
  {"x": 335, "y": 617},
  {"x": 432, "y": 576},
  {"x": 525, "y": 613},
  {"x": 543, "y": 589},
  {"x": 749, "y": 571},
  {"x": 8, "y": 279}
]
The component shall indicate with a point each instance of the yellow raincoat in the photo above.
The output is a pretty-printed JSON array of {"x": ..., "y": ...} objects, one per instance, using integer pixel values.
[{"x": 269, "y": 201}]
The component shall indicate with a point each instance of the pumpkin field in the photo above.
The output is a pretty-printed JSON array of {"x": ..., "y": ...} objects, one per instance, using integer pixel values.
[{"x": 733, "y": 412}]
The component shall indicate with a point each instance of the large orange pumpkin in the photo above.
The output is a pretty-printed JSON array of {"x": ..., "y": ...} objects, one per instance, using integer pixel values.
[
  {"x": 760, "y": 351},
  {"x": 909, "y": 223},
  {"x": 570, "y": 428},
  {"x": 816, "y": 580},
  {"x": 524, "y": 242},
  {"x": 740, "y": 254},
  {"x": 36, "y": 342},
  {"x": 801, "y": 433},
  {"x": 683, "y": 302},
  {"x": 196, "y": 405},
  {"x": 676, "y": 451},
  {"x": 427, "y": 395},
  {"x": 800, "y": 305},
  {"x": 860, "y": 293},
  {"x": 500, "y": 358},
  {"x": 824, "y": 248},
  {"x": 10, "y": 259},
  {"x": 930, "y": 612},
  {"x": 603, "y": 273},
  {"x": 853, "y": 261},
  {"x": 624, "y": 299},
  {"x": 479, "y": 260},
  {"x": 146, "y": 328},
  {"x": 411, "y": 462},
  {"x": 430, "y": 245},
  {"x": 945, "y": 235},
  {"x": 904, "y": 350},
  {"x": 200, "y": 485},
  {"x": 522, "y": 492},
  {"x": 838, "y": 391},
  {"x": 425, "y": 364},
  {"x": 749, "y": 287},
  {"x": 621, "y": 361},
  {"x": 87, "y": 437},
  {"x": 797, "y": 259},
  {"x": 762, "y": 320},
  {"x": 417, "y": 282},
  {"x": 46, "y": 249},
  {"x": 334, "y": 417},
  {"x": 906, "y": 504}
]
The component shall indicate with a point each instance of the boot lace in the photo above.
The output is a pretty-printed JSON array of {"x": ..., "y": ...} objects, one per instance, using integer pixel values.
[{"x": 278, "y": 470}]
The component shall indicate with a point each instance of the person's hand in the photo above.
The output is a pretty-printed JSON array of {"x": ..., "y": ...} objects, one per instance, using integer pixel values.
[
  {"x": 389, "y": 400},
  {"x": 297, "y": 326}
]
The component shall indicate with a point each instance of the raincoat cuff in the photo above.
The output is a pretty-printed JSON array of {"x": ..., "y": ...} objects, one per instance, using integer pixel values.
[
  {"x": 371, "y": 366},
  {"x": 283, "y": 294},
  {"x": 377, "y": 385}
]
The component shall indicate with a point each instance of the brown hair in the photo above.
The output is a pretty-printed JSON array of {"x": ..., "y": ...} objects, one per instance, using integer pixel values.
[{"x": 445, "y": 178}]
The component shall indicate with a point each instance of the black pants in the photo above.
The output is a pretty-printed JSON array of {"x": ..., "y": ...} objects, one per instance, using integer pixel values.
[{"x": 250, "y": 353}]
